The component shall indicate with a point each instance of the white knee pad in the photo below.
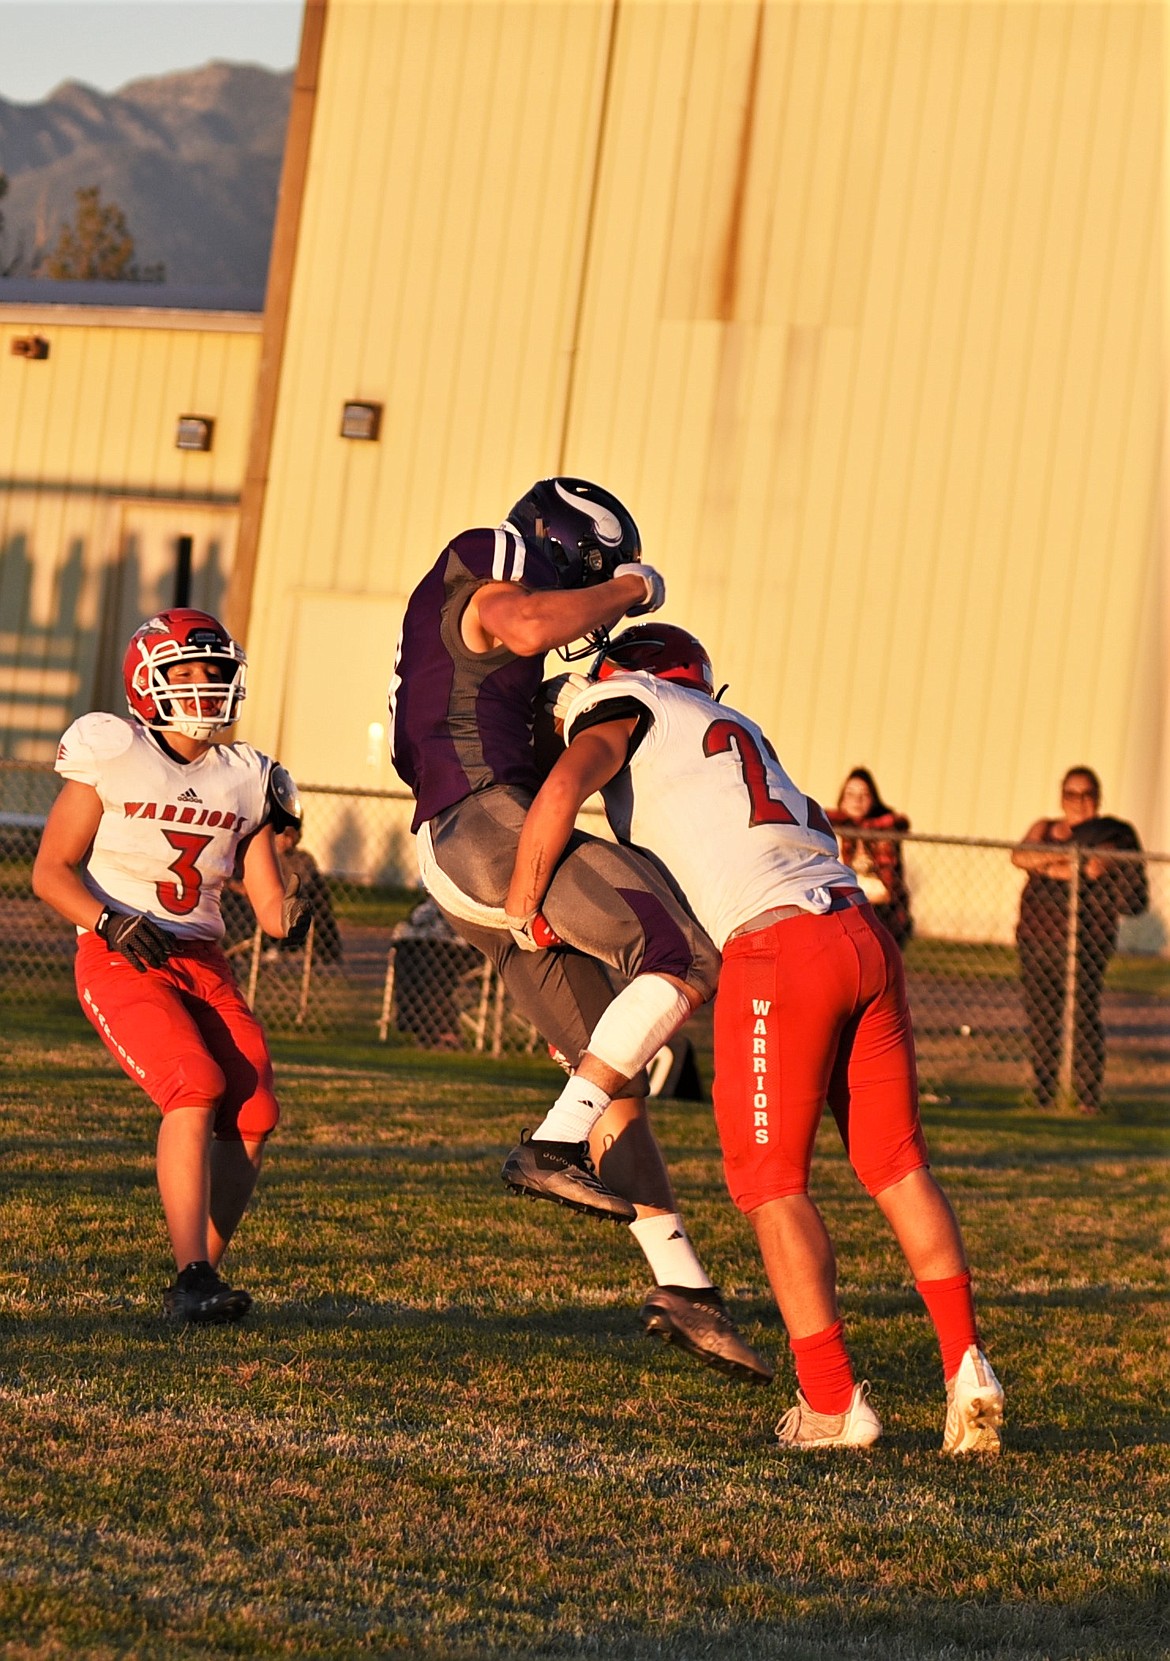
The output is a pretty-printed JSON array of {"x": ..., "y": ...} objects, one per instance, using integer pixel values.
[{"x": 637, "y": 1023}]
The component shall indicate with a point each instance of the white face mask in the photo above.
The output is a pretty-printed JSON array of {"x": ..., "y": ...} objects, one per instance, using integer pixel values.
[{"x": 197, "y": 709}]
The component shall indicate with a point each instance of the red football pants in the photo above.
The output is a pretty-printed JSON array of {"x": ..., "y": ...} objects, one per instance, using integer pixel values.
[
  {"x": 811, "y": 1010},
  {"x": 183, "y": 1032}
]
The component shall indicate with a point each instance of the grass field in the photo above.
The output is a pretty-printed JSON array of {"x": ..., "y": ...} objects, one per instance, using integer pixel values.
[{"x": 443, "y": 1434}]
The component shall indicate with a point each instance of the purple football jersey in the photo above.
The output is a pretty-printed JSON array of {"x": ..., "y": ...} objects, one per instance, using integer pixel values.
[{"x": 461, "y": 721}]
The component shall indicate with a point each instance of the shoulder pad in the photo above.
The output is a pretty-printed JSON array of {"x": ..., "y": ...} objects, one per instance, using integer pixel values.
[
  {"x": 91, "y": 740},
  {"x": 503, "y": 555},
  {"x": 284, "y": 803},
  {"x": 627, "y": 694}
]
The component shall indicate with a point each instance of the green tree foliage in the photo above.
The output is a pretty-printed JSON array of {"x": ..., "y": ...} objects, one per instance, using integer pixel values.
[{"x": 97, "y": 246}]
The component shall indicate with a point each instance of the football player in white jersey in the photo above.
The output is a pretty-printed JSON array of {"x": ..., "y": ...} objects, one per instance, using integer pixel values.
[
  {"x": 135, "y": 852},
  {"x": 811, "y": 1006}
]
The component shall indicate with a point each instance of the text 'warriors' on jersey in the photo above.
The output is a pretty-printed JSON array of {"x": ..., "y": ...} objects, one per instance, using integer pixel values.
[{"x": 169, "y": 830}]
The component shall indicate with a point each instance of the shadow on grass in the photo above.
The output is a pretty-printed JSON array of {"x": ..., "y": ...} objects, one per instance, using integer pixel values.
[
  {"x": 460, "y": 1343},
  {"x": 1044, "y": 1157},
  {"x": 896, "y": 1626}
]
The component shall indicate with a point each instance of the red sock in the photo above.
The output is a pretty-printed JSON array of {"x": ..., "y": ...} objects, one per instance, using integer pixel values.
[
  {"x": 952, "y": 1309},
  {"x": 823, "y": 1369}
]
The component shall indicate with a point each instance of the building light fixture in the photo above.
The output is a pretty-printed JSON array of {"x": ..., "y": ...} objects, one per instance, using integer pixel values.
[
  {"x": 194, "y": 432},
  {"x": 361, "y": 421},
  {"x": 30, "y": 346}
]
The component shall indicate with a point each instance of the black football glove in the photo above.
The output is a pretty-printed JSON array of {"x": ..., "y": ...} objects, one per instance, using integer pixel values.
[
  {"x": 295, "y": 914},
  {"x": 139, "y": 939}
]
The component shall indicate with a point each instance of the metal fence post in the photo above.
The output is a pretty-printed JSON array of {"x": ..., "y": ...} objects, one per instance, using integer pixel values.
[
  {"x": 498, "y": 1018},
  {"x": 306, "y": 973},
  {"x": 1068, "y": 1025},
  {"x": 387, "y": 992},
  {"x": 481, "y": 1014},
  {"x": 254, "y": 967}
]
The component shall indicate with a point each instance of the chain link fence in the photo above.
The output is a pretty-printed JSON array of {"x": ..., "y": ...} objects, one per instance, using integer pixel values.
[{"x": 1080, "y": 1005}]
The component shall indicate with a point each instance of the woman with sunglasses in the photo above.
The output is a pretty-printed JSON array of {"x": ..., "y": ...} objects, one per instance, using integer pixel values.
[{"x": 1106, "y": 890}]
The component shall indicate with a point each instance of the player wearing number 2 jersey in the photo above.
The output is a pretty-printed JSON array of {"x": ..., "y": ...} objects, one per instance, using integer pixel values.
[
  {"x": 811, "y": 1006},
  {"x": 147, "y": 829}
]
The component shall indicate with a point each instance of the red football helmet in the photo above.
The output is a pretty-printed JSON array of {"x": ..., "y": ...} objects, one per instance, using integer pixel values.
[
  {"x": 199, "y": 709},
  {"x": 660, "y": 649}
]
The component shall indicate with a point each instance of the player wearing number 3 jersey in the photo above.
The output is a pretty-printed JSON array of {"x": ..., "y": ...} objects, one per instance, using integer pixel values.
[
  {"x": 145, "y": 832},
  {"x": 811, "y": 1006}
]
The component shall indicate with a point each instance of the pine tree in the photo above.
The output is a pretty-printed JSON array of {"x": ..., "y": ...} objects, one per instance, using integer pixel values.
[{"x": 97, "y": 247}]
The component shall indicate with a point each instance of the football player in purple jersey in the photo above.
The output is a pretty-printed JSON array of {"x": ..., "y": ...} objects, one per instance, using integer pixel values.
[{"x": 563, "y": 567}]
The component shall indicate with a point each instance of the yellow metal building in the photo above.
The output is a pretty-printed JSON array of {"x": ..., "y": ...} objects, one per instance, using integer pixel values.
[
  {"x": 102, "y": 518},
  {"x": 859, "y": 307}
]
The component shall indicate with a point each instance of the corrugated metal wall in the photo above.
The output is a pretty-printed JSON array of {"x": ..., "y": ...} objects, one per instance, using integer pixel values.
[
  {"x": 94, "y": 495},
  {"x": 439, "y": 272},
  {"x": 858, "y": 306}
]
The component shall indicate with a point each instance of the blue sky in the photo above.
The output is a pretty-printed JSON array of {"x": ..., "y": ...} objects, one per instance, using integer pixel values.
[{"x": 106, "y": 43}]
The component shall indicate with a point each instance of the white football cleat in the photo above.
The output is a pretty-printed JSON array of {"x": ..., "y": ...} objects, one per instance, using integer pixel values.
[
  {"x": 805, "y": 1429},
  {"x": 974, "y": 1407}
]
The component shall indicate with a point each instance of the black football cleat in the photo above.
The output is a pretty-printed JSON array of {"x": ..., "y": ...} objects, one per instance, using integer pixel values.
[
  {"x": 696, "y": 1319},
  {"x": 563, "y": 1172},
  {"x": 198, "y": 1294}
]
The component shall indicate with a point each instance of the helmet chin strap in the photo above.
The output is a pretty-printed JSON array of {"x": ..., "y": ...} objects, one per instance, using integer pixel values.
[{"x": 197, "y": 729}]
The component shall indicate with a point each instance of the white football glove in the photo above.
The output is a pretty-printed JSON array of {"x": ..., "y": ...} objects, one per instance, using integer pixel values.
[
  {"x": 533, "y": 933},
  {"x": 655, "y": 588},
  {"x": 559, "y": 692}
]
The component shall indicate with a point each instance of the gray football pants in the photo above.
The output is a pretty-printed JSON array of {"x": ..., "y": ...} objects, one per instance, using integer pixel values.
[{"x": 609, "y": 903}]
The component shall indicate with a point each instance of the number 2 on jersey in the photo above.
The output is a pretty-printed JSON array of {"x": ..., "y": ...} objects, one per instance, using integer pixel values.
[
  {"x": 724, "y": 736},
  {"x": 182, "y": 896}
]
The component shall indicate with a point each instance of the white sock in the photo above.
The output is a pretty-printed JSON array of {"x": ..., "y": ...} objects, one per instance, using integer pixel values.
[
  {"x": 574, "y": 1113},
  {"x": 669, "y": 1253}
]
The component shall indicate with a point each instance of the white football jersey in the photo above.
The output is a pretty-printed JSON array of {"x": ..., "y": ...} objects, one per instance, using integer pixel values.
[
  {"x": 705, "y": 794},
  {"x": 168, "y": 835}
]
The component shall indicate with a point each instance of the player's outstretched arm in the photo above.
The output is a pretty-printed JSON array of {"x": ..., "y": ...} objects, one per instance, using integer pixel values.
[
  {"x": 531, "y": 623},
  {"x": 68, "y": 834},
  {"x": 590, "y": 761}
]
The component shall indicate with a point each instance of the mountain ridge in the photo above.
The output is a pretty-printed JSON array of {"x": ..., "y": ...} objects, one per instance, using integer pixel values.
[{"x": 192, "y": 158}]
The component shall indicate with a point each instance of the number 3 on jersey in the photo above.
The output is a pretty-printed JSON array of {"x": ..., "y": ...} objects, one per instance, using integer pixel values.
[
  {"x": 724, "y": 736},
  {"x": 183, "y": 896}
]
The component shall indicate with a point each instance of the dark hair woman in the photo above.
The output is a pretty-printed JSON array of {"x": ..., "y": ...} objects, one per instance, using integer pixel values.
[{"x": 876, "y": 861}]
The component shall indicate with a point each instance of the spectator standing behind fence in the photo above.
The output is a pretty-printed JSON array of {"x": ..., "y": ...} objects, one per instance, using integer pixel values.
[
  {"x": 239, "y": 920},
  {"x": 298, "y": 861},
  {"x": 876, "y": 863},
  {"x": 1105, "y": 890}
]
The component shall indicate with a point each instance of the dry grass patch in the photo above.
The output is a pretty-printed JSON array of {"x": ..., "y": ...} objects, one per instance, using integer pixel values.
[{"x": 443, "y": 1434}]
